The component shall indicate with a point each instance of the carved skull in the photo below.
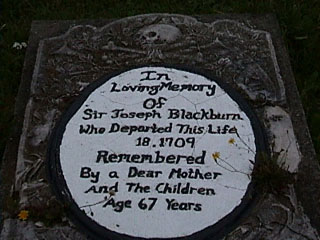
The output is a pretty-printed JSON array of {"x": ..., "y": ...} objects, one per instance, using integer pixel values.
[{"x": 158, "y": 34}]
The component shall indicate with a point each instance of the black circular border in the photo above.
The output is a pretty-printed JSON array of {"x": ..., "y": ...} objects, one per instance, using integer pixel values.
[{"x": 95, "y": 230}]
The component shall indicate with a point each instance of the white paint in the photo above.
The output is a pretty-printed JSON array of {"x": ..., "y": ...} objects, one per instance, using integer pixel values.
[
  {"x": 284, "y": 140},
  {"x": 79, "y": 151}
]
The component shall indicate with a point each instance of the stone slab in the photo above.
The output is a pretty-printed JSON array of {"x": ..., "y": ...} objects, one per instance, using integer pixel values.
[{"x": 244, "y": 51}]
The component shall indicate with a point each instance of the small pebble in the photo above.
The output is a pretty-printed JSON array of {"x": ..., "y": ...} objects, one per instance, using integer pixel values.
[{"x": 39, "y": 224}]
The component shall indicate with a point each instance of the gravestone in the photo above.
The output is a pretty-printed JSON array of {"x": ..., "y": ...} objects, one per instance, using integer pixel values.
[{"x": 152, "y": 127}]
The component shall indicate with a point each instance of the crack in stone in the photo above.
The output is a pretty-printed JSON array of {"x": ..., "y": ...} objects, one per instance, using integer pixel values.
[{"x": 228, "y": 187}]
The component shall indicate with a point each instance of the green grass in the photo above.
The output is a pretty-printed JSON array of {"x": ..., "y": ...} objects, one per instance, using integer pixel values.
[{"x": 299, "y": 21}]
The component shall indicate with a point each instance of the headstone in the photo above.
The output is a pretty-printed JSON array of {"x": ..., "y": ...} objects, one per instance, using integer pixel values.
[{"x": 152, "y": 126}]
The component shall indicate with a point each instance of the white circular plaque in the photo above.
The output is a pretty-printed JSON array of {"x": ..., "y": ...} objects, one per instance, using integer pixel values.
[{"x": 155, "y": 152}]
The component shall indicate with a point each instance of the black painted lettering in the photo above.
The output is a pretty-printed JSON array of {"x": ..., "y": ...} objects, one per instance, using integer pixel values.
[
  {"x": 135, "y": 172},
  {"x": 138, "y": 188},
  {"x": 226, "y": 129},
  {"x": 91, "y": 129},
  {"x": 114, "y": 87},
  {"x": 183, "y": 188},
  {"x": 198, "y": 207},
  {"x": 113, "y": 174},
  {"x": 211, "y": 90},
  {"x": 92, "y": 189},
  {"x": 114, "y": 128},
  {"x": 92, "y": 114},
  {"x": 87, "y": 172},
  {"x": 149, "y": 75},
  {"x": 117, "y": 206},
  {"x": 87, "y": 114},
  {"x": 188, "y": 129},
  {"x": 102, "y": 155},
  {"x": 147, "y": 204},
  {"x": 103, "y": 189},
  {"x": 173, "y": 204},
  {"x": 163, "y": 75}
]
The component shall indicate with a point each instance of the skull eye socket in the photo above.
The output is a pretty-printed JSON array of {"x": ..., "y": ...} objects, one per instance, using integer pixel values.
[{"x": 151, "y": 34}]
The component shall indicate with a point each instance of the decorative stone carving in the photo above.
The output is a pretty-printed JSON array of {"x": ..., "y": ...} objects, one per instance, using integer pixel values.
[{"x": 66, "y": 64}]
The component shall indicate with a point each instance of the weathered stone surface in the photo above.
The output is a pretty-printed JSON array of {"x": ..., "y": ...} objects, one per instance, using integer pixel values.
[
  {"x": 277, "y": 219},
  {"x": 64, "y": 57},
  {"x": 18, "y": 230},
  {"x": 282, "y": 138}
]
